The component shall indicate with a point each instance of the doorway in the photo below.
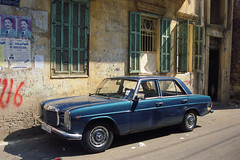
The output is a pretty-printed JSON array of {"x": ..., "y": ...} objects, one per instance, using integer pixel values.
[{"x": 213, "y": 74}]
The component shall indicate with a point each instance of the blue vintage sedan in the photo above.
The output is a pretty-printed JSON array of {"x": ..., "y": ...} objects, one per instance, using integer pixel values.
[{"x": 123, "y": 105}]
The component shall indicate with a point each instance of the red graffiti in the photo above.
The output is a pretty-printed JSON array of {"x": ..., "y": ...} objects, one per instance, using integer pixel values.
[
  {"x": 17, "y": 100},
  {"x": 187, "y": 82}
]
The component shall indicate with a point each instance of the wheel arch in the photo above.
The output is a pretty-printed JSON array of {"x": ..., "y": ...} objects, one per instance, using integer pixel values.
[
  {"x": 104, "y": 120},
  {"x": 194, "y": 110}
]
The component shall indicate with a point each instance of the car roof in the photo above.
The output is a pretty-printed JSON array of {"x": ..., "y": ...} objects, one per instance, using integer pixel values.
[{"x": 142, "y": 77}]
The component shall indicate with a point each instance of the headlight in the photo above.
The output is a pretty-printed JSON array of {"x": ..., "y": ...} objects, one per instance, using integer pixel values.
[
  {"x": 50, "y": 108},
  {"x": 67, "y": 120},
  {"x": 209, "y": 106}
]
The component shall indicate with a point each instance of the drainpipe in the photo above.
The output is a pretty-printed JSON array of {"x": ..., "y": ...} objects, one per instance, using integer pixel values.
[
  {"x": 207, "y": 13},
  {"x": 200, "y": 75},
  {"x": 202, "y": 12}
]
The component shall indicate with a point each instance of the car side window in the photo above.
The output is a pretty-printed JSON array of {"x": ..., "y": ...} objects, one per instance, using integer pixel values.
[
  {"x": 149, "y": 89},
  {"x": 170, "y": 88}
]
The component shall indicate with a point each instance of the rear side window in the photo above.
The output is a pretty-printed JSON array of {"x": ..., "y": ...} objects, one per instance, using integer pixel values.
[
  {"x": 149, "y": 89},
  {"x": 170, "y": 88}
]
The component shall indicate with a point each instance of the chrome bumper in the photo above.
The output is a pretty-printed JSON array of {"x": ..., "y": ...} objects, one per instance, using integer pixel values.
[{"x": 69, "y": 136}]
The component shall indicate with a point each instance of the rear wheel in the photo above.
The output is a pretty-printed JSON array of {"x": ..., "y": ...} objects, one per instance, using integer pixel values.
[
  {"x": 189, "y": 122},
  {"x": 97, "y": 138}
]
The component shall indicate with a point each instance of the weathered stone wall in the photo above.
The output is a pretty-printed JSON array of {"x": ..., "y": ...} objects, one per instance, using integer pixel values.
[{"x": 235, "y": 67}]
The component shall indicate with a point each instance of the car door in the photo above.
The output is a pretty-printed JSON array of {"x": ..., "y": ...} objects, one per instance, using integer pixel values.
[
  {"x": 175, "y": 101},
  {"x": 147, "y": 112}
]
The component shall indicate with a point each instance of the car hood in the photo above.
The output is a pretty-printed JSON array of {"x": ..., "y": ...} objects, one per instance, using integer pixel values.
[{"x": 69, "y": 103}]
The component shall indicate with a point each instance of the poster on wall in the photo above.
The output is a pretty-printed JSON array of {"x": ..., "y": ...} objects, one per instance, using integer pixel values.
[
  {"x": 19, "y": 53},
  {"x": 16, "y": 53},
  {"x": 1, "y": 55},
  {"x": 15, "y": 26},
  {"x": 10, "y": 2},
  {"x": 3, "y": 50}
]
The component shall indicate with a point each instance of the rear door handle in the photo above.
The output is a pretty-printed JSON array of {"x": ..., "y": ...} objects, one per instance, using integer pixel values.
[
  {"x": 184, "y": 101},
  {"x": 158, "y": 104}
]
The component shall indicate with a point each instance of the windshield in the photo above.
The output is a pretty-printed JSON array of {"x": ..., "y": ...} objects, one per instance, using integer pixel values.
[{"x": 117, "y": 88}]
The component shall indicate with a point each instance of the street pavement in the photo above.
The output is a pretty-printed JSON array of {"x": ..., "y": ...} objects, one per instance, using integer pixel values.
[{"x": 216, "y": 137}]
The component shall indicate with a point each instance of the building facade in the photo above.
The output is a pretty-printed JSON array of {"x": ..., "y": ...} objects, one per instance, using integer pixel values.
[
  {"x": 71, "y": 45},
  {"x": 235, "y": 68}
]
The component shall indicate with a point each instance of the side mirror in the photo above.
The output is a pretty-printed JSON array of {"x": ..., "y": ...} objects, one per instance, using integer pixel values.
[{"x": 140, "y": 96}]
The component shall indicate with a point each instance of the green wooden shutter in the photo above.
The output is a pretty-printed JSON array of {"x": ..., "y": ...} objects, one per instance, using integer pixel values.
[
  {"x": 60, "y": 27},
  {"x": 79, "y": 40},
  {"x": 135, "y": 42},
  {"x": 183, "y": 46},
  {"x": 69, "y": 31},
  {"x": 198, "y": 48},
  {"x": 165, "y": 45}
]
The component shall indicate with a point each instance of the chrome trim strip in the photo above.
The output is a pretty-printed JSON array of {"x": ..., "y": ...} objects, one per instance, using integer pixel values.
[{"x": 69, "y": 136}]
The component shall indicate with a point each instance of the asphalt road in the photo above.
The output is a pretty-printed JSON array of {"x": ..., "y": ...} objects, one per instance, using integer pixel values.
[{"x": 217, "y": 137}]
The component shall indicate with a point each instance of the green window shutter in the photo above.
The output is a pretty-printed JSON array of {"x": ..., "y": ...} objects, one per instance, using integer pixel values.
[
  {"x": 165, "y": 45},
  {"x": 69, "y": 37},
  {"x": 135, "y": 42},
  {"x": 198, "y": 48},
  {"x": 183, "y": 46}
]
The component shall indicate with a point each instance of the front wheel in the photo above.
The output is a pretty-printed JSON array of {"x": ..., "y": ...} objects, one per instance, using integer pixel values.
[
  {"x": 189, "y": 122},
  {"x": 97, "y": 138}
]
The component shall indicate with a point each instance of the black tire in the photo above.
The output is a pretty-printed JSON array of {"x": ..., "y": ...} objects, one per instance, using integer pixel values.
[
  {"x": 189, "y": 122},
  {"x": 97, "y": 137}
]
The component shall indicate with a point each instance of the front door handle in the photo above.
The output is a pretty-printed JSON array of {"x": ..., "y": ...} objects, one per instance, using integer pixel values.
[
  {"x": 158, "y": 104},
  {"x": 184, "y": 101}
]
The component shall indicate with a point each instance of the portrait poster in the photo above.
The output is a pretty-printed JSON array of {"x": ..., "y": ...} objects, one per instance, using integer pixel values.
[
  {"x": 15, "y": 26},
  {"x": 24, "y": 27},
  {"x": 8, "y": 26}
]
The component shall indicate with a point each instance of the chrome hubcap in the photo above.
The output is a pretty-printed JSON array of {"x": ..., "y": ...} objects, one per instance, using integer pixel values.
[
  {"x": 99, "y": 136},
  {"x": 191, "y": 120}
]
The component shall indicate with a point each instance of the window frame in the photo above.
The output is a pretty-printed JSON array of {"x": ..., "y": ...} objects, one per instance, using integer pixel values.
[
  {"x": 81, "y": 52},
  {"x": 156, "y": 88},
  {"x": 135, "y": 48},
  {"x": 176, "y": 85}
]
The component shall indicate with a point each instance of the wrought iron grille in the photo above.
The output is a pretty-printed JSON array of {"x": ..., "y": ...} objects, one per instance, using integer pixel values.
[{"x": 148, "y": 34}]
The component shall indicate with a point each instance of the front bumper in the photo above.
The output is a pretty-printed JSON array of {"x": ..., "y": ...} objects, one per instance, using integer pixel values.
[{"x": 64, "y": 134}]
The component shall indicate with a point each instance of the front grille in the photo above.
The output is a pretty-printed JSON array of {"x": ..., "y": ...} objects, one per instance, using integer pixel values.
[
  {"x": 61, "y": 118},
  {"x": 50, "y": 117}
]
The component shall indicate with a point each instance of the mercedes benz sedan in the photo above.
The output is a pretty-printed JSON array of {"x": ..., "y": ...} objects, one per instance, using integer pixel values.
[{"x": 123, "y": 105}]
